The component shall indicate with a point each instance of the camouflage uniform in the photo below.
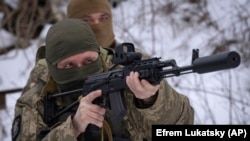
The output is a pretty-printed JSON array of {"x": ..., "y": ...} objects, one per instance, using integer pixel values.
[{"x": 170, "y": 107}]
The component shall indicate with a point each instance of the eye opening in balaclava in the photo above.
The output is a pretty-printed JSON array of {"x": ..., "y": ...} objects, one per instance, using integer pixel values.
[{"x": 66, "y": 38}]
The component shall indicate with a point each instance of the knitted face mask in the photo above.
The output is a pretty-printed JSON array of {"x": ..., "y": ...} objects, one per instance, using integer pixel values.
[
  {"x": 64, "y": 39},
  {"x": 103, "y": 31}
]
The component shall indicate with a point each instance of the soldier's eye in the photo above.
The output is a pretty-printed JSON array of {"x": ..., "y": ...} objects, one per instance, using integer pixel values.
[
  {"x": 88, "y": 20},
  {"x": 89, "y": 61},
  {"x": 69, "y": 66},
  {"x": 103, "y": 17}
]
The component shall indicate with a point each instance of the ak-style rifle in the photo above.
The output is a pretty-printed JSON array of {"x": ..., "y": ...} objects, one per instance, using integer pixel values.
[{"x": 113, "y": 82}]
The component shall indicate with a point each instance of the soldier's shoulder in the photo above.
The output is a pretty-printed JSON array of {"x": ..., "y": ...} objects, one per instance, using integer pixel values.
[
  {"x": 39, "y": 73},
  {"x": 40, "y": 54},
  {"x": 31, "y": 96}
]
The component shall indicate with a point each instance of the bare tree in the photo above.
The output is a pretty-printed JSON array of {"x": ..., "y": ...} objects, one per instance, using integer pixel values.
[
  {"x": 26, "y": 21},
  {"x": 169, "y": 29}
]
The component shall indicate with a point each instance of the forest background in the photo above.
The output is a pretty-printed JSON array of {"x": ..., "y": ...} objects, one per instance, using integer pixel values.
[{"x": 169, "y": 29}]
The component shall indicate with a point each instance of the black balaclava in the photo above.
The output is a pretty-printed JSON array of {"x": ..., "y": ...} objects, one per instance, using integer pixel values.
[{"x": 64, "y": 39}]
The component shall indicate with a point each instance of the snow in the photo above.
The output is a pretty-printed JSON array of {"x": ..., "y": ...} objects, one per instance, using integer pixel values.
[{"x": 217, "y": 97}]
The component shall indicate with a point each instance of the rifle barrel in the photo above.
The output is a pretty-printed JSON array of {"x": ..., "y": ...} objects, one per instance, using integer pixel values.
[
  {"x": 11, "y": 91},
  {"x": 221, "y": 61}
]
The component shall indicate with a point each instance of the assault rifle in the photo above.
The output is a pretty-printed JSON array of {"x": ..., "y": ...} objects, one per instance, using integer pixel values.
[{"x": 113, "y": 83}]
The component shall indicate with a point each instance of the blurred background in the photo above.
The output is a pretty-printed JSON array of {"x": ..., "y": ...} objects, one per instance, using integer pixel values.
[{"x": 169, "y": 29}]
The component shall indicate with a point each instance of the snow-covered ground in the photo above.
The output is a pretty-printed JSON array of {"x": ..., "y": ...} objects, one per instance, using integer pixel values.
[{"x": 218, "y": 97}]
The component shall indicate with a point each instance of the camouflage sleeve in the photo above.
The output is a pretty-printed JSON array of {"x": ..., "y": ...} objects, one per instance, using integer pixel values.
[
  {"x": 28, "y": 122},
  {"x": 170, "y": 107},
  {"x": 63, "y": 132},
  {"x": 169, "y": 103}
]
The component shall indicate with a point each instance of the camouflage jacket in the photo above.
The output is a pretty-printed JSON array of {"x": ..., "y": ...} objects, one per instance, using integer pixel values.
[{"x": 170, "y": 107}]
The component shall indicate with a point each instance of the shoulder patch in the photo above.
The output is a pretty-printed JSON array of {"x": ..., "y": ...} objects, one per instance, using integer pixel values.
[{"x": 16, "y": 127}]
